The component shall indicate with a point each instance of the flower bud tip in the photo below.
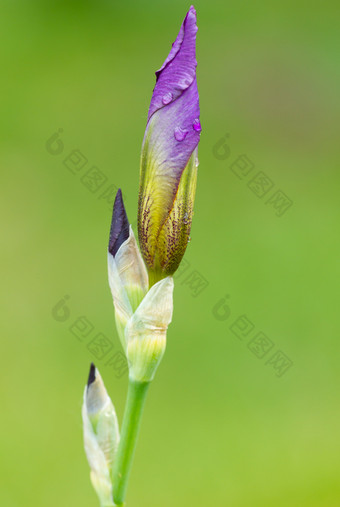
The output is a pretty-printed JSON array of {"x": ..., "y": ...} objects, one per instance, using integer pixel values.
[
  {"x": 119, "y": 231},
  {"x": 92, "y": 375}
]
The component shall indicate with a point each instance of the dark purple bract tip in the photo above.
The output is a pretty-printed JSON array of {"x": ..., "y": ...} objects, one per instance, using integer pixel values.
[
  {"x": 92, "y": 375},
  {"x": 119, "y": 225}
]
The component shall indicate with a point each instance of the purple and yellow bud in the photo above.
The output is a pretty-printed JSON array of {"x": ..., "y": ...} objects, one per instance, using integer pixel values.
[{"x": 169, "y": 158}]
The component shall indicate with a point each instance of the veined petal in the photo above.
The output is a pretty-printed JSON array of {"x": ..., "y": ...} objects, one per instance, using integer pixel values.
[{"x": 174, "y": 235}]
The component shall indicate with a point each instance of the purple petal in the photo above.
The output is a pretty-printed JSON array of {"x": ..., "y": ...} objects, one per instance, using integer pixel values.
[
  {"x": 119, "y": 231},
  {"x": 179, "y": 69},
  {"x": 174, "y": 135},
  {"x": 172, "y": 131}
]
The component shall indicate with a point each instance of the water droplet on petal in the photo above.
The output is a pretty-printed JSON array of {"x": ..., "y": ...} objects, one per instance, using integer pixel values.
[
  {"x": 186, "y": 218},
  {"x": 197, "y": 125},
  {"x": 180, "y": 134},
  {"x": 167, "y": 98}
]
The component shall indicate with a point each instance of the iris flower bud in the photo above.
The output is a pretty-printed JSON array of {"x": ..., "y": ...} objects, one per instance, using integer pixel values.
[
  {"x": 101, "y": 435},
  {"x": 128, "y": 278},
  {"x": 142, "y": 315},
  {"x": 169, "y": 158}
]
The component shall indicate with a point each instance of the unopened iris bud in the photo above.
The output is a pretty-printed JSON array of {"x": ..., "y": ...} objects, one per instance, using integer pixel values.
[
  {"x": 169, "y": 158},
  {"x": 128, "y": 277},
  {"x": 101, "y": 435},
  {"x": 145, "y": 332}
]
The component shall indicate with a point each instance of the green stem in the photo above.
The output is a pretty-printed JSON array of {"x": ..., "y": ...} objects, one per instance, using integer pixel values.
[{"x": 130, "y": 428}]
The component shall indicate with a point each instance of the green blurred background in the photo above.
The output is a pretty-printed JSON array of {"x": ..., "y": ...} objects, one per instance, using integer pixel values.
[{"x": 222, "y": 426}]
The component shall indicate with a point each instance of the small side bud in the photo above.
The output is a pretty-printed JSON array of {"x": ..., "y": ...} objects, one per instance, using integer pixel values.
[
  {"x": 145, "y": 333},
  {"x": 101, "y": 435},
  {"x": 128, "y": 278}
]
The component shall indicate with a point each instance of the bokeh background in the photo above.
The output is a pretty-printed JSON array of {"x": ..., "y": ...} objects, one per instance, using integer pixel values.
[{"x": 245, "y": 407}]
